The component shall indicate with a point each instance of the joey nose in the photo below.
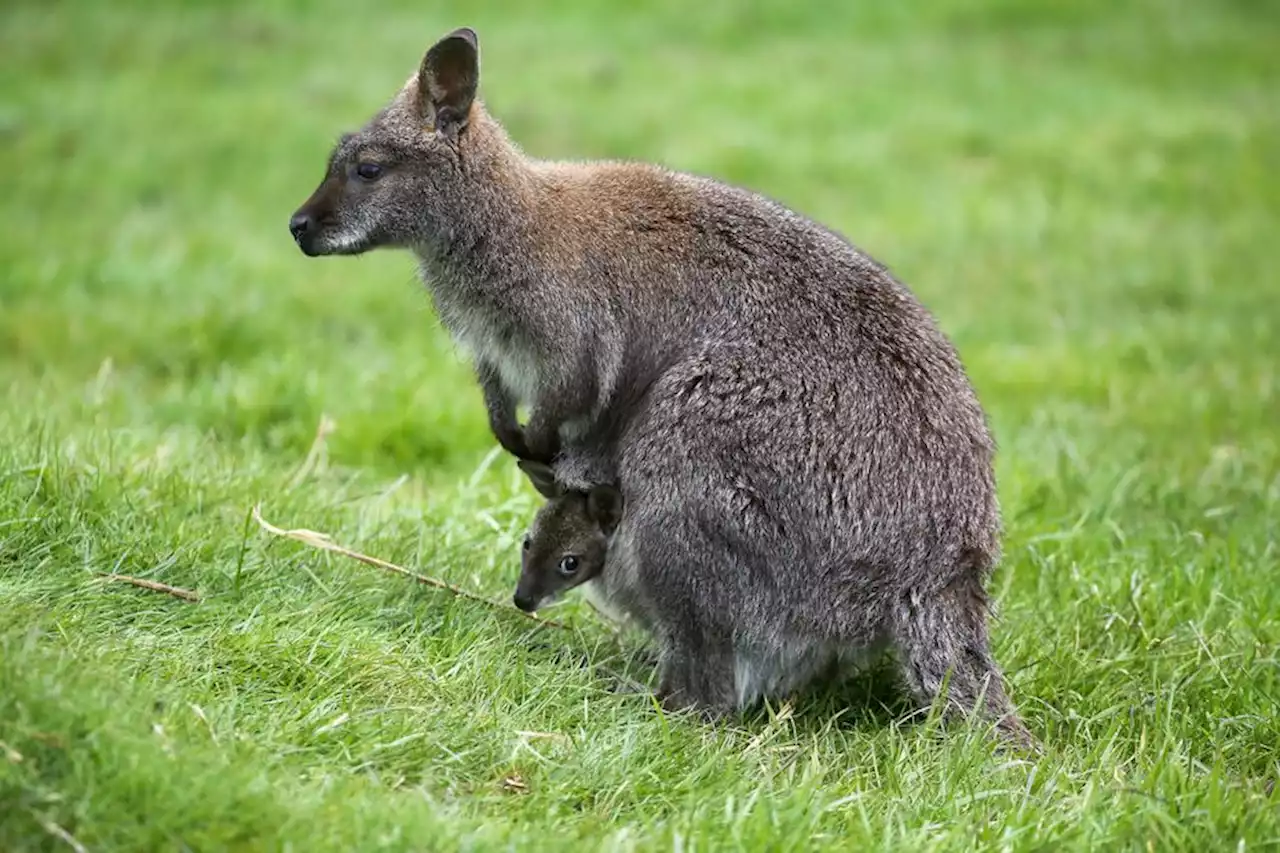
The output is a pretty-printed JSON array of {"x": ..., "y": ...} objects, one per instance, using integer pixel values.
[
  {"x": 525, "y": 602},
  {"x": 299, "y": 224}
]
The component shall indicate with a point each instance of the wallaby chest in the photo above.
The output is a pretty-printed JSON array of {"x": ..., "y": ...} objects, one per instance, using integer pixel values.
[{"x": 490, "y": 336}]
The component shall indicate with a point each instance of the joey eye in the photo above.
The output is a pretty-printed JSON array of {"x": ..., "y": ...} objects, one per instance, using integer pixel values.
[
  {"x": 568, "y": 566},
  {"x": 369, "y": 171},
  {"x": 526, "y": 543}
]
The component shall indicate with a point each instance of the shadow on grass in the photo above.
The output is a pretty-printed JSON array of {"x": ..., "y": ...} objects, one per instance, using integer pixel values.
[{"x": 868, "y": 700}]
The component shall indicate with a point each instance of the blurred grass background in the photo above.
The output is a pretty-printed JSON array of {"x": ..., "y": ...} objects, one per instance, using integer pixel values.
[{"x": 1086, "y": 195}]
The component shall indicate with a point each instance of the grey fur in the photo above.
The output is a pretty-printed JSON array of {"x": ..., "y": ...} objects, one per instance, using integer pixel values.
[{"x": 807, "y": 470}]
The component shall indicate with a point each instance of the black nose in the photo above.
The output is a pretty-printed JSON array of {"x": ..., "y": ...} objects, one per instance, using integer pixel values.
[
  {"x": 299, "y": 224},
  {"x": 525, "y": 603}
]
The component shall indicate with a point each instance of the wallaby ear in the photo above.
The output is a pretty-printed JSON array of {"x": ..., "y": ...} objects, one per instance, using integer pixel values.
[
  {"x": 604, "y": 505},
  {"x": 447, "y": 80},
  {"x": 542, "y": 477}
]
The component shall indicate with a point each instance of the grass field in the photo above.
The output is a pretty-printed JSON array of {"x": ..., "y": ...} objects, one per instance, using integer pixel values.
[{"x": 1085, "y": 193}]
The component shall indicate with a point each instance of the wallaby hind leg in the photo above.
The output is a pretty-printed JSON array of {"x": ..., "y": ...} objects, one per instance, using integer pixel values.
[
  {"x": 942, "y": 642},
  {"x": 696, "y": 674}
]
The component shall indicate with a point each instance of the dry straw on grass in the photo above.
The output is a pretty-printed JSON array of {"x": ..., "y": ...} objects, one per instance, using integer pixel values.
[
  {"x": 156, "y": 586},
  {"x": 324, "y": 542}
]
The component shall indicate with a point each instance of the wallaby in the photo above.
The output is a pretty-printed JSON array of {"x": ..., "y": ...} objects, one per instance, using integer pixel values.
[
  {"x": 568, "y": 541},
  {"x": 806, "y": 468}
]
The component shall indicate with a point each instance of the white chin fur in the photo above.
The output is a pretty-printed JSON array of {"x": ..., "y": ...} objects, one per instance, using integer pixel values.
[
  {"x": 549, "y": 601},
  {"x": 347, "y": 242}
]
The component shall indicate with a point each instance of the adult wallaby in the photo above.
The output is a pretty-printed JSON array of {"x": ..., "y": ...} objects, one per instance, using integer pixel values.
[{"x": 806, "y": 468}]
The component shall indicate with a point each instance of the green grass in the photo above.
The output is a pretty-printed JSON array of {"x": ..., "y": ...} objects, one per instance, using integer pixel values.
[{"x": 1085, "y": 193}]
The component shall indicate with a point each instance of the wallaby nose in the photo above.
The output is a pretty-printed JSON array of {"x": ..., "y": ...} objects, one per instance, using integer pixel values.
[
  {"x": 525, "y": 603},
  {"x": 299, "y": 224}
]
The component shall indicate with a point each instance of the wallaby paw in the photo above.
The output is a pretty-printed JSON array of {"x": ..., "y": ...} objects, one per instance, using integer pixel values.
[
  {"x": 674, "y": 702},
  {"x": 512, "y": 441}
]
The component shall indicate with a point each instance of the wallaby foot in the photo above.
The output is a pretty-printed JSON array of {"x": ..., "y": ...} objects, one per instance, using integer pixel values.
[
  {"x": 696, "y": 676},
  {"x": 942, "y": 644}
]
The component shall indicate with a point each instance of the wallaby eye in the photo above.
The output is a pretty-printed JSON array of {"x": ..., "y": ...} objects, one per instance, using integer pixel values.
[
  {"x": 568, "y": 566},
  {"x": 369, "y": 171},
  {"x": 526, "y": 543}
]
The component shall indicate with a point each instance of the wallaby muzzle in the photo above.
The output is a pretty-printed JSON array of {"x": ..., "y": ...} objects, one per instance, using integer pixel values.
[
  {"x": 308, "y": 221},
  {"x": 525, "y": 601}
]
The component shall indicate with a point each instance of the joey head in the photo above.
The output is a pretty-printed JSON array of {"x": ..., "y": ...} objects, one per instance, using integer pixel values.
[{"x": 568, "y": 542}]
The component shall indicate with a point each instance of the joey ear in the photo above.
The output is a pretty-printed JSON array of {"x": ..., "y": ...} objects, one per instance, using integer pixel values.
[
  {"x": 448, "y": 79},
  {"x": 604, "y": 505},
  {"x": 542, "y": 477}
]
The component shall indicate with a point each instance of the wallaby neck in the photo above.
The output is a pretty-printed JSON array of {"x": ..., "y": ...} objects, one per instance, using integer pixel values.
[{"x": 491, "y": 240}]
